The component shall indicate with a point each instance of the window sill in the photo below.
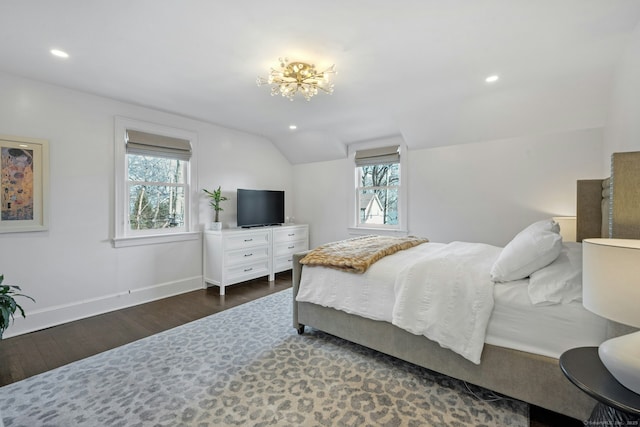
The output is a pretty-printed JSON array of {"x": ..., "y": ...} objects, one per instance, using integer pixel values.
[
  {"x": 362, "y": 231},
  {"x": 125, "y": 242}
]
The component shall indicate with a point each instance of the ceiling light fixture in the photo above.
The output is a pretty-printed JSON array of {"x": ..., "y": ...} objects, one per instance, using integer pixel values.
[
  {"x": 59, "y": 53},
  {"x": 293, "y": 127},
  {"x": 492, "y": 79},
  {"x": 298, "y": 77}
]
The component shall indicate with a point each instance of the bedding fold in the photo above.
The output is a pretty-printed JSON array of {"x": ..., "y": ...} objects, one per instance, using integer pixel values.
[{"x": 454, "y": 315}]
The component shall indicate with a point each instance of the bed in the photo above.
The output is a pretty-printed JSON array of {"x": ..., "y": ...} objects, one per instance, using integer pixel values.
[{"x": 522, "y": 369}]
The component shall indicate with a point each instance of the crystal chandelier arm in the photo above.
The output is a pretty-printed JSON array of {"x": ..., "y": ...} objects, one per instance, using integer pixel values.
[{"x": 298, "y": 77}]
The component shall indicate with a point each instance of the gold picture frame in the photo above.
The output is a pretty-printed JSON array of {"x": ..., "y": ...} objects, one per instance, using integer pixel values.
[{"x": 24, "y": 184}]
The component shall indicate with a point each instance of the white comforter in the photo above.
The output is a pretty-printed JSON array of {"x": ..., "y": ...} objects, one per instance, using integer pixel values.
[
  {"x": 515, "y": 322},
  {"x": 447, "y": 296}
]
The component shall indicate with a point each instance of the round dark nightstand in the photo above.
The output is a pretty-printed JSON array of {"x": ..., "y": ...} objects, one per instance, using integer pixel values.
[{"x": 618, "y": 405}]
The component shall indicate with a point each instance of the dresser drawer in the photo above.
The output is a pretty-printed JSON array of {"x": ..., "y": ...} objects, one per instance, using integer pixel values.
[
  {"x": 248, "y": 271},
  {"x": 290, "y": 234},
  {"x": 282, "y": 263},
  {"x": 246, "y": 240},
  {"x": 288, "y": 248},
  {"x": 247, "y": 255}
]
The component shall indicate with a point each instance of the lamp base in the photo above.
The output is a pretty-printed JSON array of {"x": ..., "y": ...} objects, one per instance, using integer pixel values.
[{"x": 621, "y": 356}]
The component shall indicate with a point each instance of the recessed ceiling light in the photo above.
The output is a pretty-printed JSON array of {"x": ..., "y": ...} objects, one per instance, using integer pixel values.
[
  {"x": 492, "y": 79},
  {"x": 59, "y": 53},
  {"x": 293, "y": 127}
]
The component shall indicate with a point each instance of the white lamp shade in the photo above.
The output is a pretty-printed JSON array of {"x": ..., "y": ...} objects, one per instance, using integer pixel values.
[{"x": 611, "y": 279}]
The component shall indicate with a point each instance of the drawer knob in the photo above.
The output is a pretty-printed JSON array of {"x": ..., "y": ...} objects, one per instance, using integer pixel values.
[
  {"x": 291, "y": 247},
  {"x": 291, "y": 234},
  {"x": 248, "y": 269},
  {"x": 248, "y": 254},
  {"x": 248, "y": 240}
]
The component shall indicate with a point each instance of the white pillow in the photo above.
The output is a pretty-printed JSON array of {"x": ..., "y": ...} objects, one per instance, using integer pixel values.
[
  {"x": 535, "y": 247},
  {"x": 561, "y": 281}
]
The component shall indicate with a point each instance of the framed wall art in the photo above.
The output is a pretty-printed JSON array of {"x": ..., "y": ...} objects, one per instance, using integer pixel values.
[{"x": 24, "y": 179}]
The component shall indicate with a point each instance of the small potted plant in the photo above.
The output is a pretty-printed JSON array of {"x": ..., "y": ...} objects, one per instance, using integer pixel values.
[
  {"x": 8, "y": 304},
  {"x": 216, "y": 197}
]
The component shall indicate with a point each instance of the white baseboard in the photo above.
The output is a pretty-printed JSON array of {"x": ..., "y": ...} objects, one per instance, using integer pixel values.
[{"x": 57, "y": 315}]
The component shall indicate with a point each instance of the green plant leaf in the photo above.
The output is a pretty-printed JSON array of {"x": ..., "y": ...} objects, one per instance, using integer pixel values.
[{"x": 8, "y": 304}]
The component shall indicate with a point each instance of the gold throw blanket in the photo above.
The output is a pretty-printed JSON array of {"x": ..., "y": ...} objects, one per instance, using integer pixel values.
[{"x": 358, "y": 254}]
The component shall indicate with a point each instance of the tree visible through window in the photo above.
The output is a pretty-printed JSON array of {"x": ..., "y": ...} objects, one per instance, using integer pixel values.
[
  {"x": 156, "y": 192},
  {"x": 377, "y": 194}
]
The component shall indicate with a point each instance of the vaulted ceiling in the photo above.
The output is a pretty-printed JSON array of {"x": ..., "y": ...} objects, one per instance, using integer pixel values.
[{"x": 414, "y": 68}]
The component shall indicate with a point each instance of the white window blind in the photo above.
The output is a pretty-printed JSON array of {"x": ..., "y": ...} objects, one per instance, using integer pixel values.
[
  {"x": 143, "y": 143},
  {"x": 378, "y": 156}
]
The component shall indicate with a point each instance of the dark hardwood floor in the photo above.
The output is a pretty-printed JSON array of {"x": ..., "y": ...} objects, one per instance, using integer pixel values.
[{"x": 30, "y": 354}]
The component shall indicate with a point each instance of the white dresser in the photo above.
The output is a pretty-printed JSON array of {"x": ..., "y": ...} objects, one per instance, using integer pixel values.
[
  {"x": 287, "y": 241},
  {"x": 237, "y": 255}
]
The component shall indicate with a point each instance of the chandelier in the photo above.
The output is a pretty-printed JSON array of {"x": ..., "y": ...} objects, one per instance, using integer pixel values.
[{"x": 298, "y": 77}]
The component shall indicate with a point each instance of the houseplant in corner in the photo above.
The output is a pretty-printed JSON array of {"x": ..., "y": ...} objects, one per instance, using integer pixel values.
[
  {"x": 8, "y": 304},
  {"x": 216, "y": 197}
]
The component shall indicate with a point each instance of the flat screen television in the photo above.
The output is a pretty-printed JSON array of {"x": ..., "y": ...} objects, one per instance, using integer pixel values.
[{"x": 258, "y": 208}]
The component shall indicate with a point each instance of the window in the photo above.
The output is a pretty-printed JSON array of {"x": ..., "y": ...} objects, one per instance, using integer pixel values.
[
  {"x": 156, "y": 177},
  {"x": 378, "y": 178},
  {"x": 153, "y": 184},
  {"x": 378, "y": 201}
]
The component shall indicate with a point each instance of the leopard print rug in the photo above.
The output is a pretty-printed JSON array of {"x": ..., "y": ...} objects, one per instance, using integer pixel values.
[{"x": 246, "y": 366}]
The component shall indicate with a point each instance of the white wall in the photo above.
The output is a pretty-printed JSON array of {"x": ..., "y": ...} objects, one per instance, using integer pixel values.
[
  {"x": 483, "y": 192},
  {"x": 234, "y": 159},
  {"x": 72, "y": 270},
  {"x": 623, "y": 126},
  {"x": 487, "y": 192},
  {"x": 322, "y": 193}
]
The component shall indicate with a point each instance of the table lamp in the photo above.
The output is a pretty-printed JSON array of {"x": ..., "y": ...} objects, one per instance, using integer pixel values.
[
  {"x": 567, "y": 227},
  {"x": 611, "y": 289}
]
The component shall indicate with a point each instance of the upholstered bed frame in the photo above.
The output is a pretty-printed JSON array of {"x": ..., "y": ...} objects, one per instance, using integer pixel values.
[{"x": 529, "y": 377}]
